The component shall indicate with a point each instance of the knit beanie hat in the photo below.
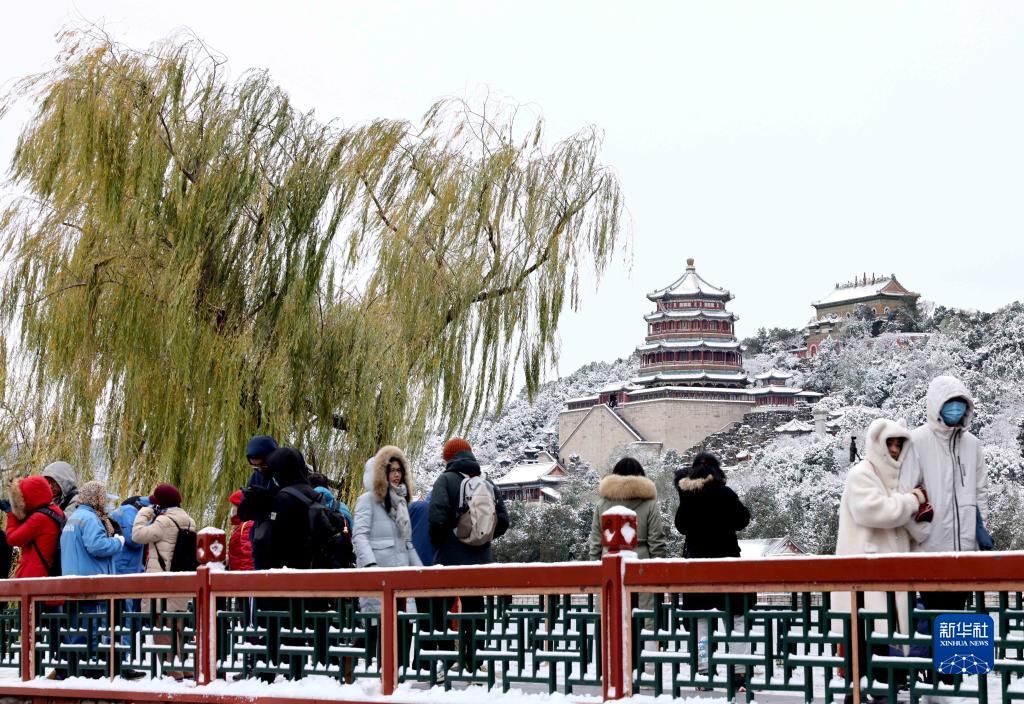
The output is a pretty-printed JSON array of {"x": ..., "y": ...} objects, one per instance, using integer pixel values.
[
  {"x": 236, "y": 497},
  {"x": 165, "y": 496},
  {"x": 260, "y": 446},
  {"x": 454, "y": 447}
]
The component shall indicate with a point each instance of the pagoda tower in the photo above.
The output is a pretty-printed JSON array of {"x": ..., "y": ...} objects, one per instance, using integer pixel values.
[{"x": 691, "y": 339}]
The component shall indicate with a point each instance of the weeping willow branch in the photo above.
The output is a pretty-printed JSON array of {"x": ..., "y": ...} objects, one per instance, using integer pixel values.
[{"x": 335, "y": 287}]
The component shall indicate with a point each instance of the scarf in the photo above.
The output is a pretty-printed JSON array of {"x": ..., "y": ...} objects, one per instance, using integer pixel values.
[{"x": 399, "y": 510}]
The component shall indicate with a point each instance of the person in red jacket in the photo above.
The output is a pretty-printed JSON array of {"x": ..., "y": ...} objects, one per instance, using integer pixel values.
[
  {"x": 34, "y": 525},
  {"x": 240, "y": 542}
]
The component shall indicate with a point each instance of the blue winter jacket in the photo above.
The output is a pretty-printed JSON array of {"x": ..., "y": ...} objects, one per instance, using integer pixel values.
[
  {"x": 128, "y": 560},
  {"x": 419, "y": 517},
  {"x": 85, "y": 549}
]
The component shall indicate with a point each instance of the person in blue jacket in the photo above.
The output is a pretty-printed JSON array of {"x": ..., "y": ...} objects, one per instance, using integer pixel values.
[
  {"x": 88, "y": 545},
  {"x": 129, "y": 560},
  {"x": 322, "y": 485}
]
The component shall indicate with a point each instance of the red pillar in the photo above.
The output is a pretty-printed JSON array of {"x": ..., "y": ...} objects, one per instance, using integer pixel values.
[
  {"x": 618, "y": 532},
  {"x": 206, "y": 631},
  {"x": 388, "y": 642},
  {"x": 28, "y": 634}
]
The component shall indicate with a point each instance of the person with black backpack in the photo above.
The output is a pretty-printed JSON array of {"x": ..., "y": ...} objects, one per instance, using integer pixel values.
[
  {"x": 170, "y": 534},
  {"x": 34, "y": 523},
  {"x": 289, "y": 540}
]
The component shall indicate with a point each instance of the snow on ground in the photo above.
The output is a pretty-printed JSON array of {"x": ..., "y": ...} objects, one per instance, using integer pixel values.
[{"x": 326, "y": 688}]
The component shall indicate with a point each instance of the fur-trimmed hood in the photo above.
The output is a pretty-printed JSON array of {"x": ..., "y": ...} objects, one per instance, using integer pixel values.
[
  {"x": 28, "y": 494},
  {"x": 380, "y": 474},
  {"x": 618, "y": 487},
  {"x": 691, "y": 484}
]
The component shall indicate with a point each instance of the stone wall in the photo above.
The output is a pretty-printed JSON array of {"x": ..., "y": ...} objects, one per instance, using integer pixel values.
[
  {"x": 677, "y": 424},
  {"x": 750, "y": 433},
  {"x": 593, "y": 434}
]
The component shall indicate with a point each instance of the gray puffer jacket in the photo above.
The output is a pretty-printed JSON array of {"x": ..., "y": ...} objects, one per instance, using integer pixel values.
[{"x": 376, "y": 537}]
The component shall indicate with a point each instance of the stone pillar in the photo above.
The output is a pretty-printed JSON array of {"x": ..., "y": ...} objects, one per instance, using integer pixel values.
[{"x": 820, "y": 416}]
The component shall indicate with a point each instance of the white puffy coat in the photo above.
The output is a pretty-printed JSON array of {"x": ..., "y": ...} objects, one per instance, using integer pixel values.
[
  {"x": 949, "y": 463},
  {"x": 376, "y": 537},
  {"x": 873, "y": 513}
]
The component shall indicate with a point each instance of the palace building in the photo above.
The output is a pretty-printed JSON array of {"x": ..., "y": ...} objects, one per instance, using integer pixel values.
[
  {"x": 691, "y": 381},
  {"x": 881, "y": 296}
]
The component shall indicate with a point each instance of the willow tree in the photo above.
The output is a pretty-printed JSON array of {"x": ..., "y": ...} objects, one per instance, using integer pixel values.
[{"x": 195, "y": 260}]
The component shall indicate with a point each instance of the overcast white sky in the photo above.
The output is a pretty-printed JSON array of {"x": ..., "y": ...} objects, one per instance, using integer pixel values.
[{"x": 786, "y": 146}]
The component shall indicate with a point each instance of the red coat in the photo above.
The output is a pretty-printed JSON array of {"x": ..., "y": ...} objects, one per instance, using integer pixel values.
[
  {"x": 240, "y": 546},
  {"x": 28, "y": 530}
]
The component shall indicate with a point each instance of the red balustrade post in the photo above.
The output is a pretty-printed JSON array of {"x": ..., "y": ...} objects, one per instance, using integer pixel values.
[
  {"x": 618, "y": 533},
  {"x": 388, "y": 642},
  {"x": 206, "y": 634},
  {"x": 28, "y": 635},
  {"x": 211, "y": 549}
]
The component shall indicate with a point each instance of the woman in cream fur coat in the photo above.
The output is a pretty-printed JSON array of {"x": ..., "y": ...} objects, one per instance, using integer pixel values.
[{"x": 873, "y": 515}]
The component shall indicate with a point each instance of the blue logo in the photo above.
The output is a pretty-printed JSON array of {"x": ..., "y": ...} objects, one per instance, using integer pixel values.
[{"x": 964, "y": 644}]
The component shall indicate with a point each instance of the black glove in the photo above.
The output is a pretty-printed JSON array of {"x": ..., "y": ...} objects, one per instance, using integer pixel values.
[{"x": 5, "y": 505}]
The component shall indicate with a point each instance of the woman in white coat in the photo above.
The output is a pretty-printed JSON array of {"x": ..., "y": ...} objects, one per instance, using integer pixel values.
[
  {"x": 382, "y": 530},
  {"x": 873, "y": 519}
]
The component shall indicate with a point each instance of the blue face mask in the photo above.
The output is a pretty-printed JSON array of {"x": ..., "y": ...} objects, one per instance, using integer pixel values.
[{"x": 953, "y": 412}]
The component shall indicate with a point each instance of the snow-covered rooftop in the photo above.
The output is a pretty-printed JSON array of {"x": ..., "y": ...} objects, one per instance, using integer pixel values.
[
  {"x": 530, "y": 473},
  {"x": 691, "y": 376},
  {"x": 773, "y": 373},
  {"x": 795, "y": 426},
  {"x": 846, "y": 293},
  {"x": 691, "y": 313},
  {"x": 689, "y": 344},
  {"x": 690, "y": 284},
  {"x": 779, "y": 390}
]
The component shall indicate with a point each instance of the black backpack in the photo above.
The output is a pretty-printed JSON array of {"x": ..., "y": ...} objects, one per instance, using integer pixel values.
[
  {"x": 183, "y": 559},
  {"x": 53, "y": 570},
  {"x": 329, "y": 535},
  {"x": 6, "y": 556}
]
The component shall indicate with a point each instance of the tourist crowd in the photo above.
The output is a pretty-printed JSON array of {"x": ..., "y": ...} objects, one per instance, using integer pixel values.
[{"x": 921, "y": 490}]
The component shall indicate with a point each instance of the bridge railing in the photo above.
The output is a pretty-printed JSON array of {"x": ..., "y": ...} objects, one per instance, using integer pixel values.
[{"x": 619, "y": 627}]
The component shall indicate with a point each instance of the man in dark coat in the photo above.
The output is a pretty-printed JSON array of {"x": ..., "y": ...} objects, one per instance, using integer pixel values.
[
  {"x": 286, "y": 542},
  {"x": 445, "y": 510},
  {"x": 257, "y": 497}
]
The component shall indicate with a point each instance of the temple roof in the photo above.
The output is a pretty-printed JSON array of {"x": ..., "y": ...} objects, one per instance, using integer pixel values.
[
  {"x": 862, "y": 289},
  {"x": 696, "y": 375},
  {"x": 773, "y": 373},
  {"x": 691, "y": 313},
  {"x": 690, "y": 285},
  {"x": 531, "y": 473},
  {"x": 795, "y": 426},
  {"x": 739, "y": 393},
  {"x": 689, "y": 344}
]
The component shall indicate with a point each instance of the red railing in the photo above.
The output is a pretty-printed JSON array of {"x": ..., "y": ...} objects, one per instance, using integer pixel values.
[{"x": 615, "y": 579}]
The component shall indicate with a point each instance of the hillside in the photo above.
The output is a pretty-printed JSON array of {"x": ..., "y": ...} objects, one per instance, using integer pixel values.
[{"x": 793, "y": 485}]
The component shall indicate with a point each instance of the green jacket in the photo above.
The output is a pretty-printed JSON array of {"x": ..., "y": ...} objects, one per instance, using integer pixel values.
[{"x": 640, "y": 495}]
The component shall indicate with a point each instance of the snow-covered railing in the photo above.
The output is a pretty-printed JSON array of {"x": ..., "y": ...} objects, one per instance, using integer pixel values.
[{"x": 572, "y": 627}]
